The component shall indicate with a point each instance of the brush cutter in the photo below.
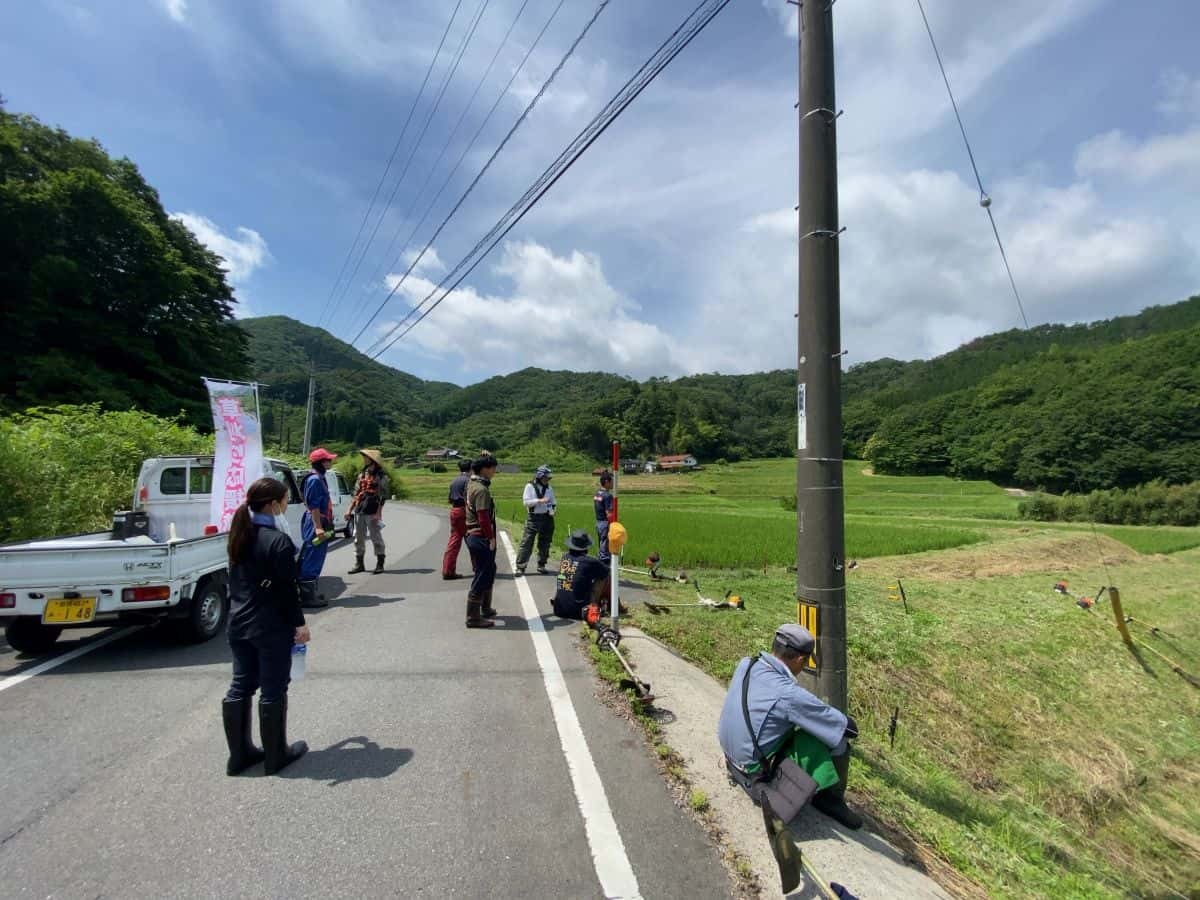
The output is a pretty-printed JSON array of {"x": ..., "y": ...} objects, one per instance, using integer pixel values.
[
  {"x": 653, "y": 570},
  {"x": 609, "y": 639},
  {"x": 731, "y": 601}
]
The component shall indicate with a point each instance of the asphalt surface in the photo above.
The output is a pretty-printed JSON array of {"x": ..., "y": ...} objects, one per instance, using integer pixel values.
[{"x": 435, "y": 771}]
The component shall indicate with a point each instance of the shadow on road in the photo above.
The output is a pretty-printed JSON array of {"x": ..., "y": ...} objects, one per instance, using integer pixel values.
[
  {"x": 356, "y": 601},
  {"x": 408, "y": 571},
  {"x": 349, "y": 760}
]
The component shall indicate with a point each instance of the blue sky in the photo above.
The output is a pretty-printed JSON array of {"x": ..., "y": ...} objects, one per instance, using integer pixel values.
[{"x": 670, "y": 247}]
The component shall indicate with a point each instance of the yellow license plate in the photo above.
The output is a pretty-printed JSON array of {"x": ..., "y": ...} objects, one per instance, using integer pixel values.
[{"x": 81, "y": 609}]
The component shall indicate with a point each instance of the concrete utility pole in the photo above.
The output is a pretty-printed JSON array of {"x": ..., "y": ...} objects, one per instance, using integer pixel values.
[
  {"x": 820, "y": 542},
  {"x": 308, "y": 415}
]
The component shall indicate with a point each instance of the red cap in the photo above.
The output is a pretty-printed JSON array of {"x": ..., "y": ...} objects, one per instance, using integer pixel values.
[{"x": 320, "y": 455}]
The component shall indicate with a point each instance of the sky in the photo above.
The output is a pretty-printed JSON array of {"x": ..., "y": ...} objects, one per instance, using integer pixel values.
[{"x": 670, "y": 247}]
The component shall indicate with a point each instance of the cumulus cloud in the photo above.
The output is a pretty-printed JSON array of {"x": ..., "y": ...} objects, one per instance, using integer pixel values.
[
  {"x": 1143, "y": 160},
  {"x": 561, "y": 312},
  {"x": 243, "y": 252}
]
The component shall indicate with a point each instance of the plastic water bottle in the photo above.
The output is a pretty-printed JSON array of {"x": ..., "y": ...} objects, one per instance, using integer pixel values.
[
  {"x": 299, "y": 661},
  {"x": 319, "y": 539}
]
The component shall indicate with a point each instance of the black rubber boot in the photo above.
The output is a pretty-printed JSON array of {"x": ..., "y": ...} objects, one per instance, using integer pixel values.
[
  {"x": 358, "y": 565},
  {"x": 485, "y": 601},
  {"x": 272, "y": 720},
  {"x": 832, "y": 801},
  {"x": 309, "y": 599},
  {"x": 242, "y": 752},
  {"x": 475, "y": 617},
  {"x": 379, "y": 565}
]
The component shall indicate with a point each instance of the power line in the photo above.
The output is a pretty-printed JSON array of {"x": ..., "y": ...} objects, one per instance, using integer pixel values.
[
  {"x": 619, "y": 103},
  {"x": 487, "y": 165},
  {"x": 984, "y": 200},
  {"x": 382, "y": 267},
  {"x": 387, "y": 168},
  {"x": 437, "y": 102}
]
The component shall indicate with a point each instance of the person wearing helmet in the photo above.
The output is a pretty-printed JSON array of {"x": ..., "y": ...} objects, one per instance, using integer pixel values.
[
  {"x": 539, "y": 520},
  {"x": 314, "y": 525},
  {"x": 370, "y": 493},
  {"x": 603, "y": 503}
]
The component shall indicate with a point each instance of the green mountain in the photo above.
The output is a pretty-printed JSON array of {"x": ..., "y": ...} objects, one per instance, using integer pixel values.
[{"x": 1109, "y": 403}]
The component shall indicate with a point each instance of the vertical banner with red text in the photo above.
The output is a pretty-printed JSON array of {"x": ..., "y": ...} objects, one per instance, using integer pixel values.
[{"x": 238, "y": 460}]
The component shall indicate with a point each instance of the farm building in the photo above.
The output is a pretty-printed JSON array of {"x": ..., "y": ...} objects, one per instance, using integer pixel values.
[
  {"x": 683, "y": 462},
  {"x": 441, "y": 453}
]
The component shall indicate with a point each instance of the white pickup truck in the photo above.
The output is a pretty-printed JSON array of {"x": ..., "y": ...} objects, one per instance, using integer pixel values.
[{"x": 175, "y": 572}]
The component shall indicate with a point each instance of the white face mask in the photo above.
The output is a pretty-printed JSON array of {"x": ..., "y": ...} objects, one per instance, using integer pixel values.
[{"x": 282, "y": 524}]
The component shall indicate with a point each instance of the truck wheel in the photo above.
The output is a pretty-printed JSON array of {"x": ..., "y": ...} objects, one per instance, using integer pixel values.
[
  {"x": 26, "y": 634},
  {"x": 208, "y": 612}
]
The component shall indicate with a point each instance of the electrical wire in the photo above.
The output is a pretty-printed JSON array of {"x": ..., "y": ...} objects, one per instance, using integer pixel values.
[
  {"x": 612, "y": 110},
  {"x": 383, "y": 267},
  {"x": 486, "y": 166},
  {"x": 387, "y": 168},
  {"x": 437, "y": 102},
  {"x": 984, "y": 200}
]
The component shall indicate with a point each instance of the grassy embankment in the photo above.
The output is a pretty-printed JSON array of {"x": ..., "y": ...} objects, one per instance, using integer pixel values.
[{"x": 1034, "y": 753}]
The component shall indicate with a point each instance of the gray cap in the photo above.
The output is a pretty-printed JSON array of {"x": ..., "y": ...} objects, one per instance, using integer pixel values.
[{"x": 797, "y": 637}]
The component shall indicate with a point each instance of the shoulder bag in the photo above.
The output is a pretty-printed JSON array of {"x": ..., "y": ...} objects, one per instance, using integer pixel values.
[{"x": 780, "y": 784}]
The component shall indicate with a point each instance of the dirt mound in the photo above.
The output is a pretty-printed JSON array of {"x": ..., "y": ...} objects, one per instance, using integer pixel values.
[{"x": 1023, "y": 556}]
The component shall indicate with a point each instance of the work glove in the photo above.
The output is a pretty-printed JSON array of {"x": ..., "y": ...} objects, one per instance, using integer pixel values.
[{"x": 851, "y": 728}]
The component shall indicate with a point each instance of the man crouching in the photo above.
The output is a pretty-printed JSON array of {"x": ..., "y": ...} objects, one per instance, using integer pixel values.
[
  {"x": 583, "y": 581},
  {"x": 788, "y": 721}
]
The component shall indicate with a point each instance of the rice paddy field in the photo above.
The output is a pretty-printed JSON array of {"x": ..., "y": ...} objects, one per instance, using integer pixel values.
[{"x": 1035, "y": 755}]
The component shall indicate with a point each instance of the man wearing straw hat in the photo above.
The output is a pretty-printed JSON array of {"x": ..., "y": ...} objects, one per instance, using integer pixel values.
[{"x": 370, "y": 493}]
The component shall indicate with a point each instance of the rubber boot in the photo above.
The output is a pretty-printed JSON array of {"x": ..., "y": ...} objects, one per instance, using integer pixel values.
[
  {"x": 379, "y": 565},
  {"x": 488, "y": 611},
  {"x": 309, "y": 598},
  {"x": 475, "y": 617},
  {"x": 272, "y": 719},
  {"x": 242, "y": 752},
  {"x": 358, "y": 565},
  {"x": 832, "y": 801}
]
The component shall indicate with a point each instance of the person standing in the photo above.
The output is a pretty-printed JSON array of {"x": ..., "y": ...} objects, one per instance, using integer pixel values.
[
  {"x": 603, "y": 503},
  {"x": 481, "y": 542},
  {"x": 371, "y": 491},
  {"x": 539, "y": 520},
  {"x": 265, "y": 620},
  {"x": 458, "y": 520},
  {"x": 315, "y": 527}
]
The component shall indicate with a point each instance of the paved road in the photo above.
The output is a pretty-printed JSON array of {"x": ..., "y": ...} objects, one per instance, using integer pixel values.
[{"x": 437, "y": 768}]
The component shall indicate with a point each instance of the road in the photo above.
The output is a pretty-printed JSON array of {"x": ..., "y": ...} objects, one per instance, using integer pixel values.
[{"x": 439, "y": 761}]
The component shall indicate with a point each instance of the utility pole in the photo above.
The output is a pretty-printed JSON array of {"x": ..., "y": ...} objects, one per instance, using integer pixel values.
[
  {"x": 308, "y": 415},
  {"x": 820, "y": 542}
]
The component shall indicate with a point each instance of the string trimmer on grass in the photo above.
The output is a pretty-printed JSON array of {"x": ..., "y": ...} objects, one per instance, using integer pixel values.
[
  {"x": 609, "y": 639},
  {"x": 731, "y": 601},
  {"x": 652, "y": 570}
]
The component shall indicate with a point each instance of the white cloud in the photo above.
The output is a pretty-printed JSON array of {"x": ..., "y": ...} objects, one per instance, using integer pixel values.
[
  {"x": 1181, "y": 95},
  {"x": 429, "y": 264},
  {"x": 1144, "y": 160},
  {"x": 561, "y": 312},
  {"x": 243, "y": 253},
  {"x": 176, "y": 9}
]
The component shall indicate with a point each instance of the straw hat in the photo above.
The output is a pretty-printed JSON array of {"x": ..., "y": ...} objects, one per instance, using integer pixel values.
[{"x": 373, "y": 456}]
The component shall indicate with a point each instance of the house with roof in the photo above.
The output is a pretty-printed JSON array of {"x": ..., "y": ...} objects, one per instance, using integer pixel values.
[
  {"x": 683, "y": 462},
  {"x": 440, "y": 453}
]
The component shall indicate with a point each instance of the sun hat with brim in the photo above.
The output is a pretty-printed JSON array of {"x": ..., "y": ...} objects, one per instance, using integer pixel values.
[
  {"x": 321, "y": 455},
  {"x": 797, "y": 637},
  {"x": 579, "y": 540},
  {"x": 373, "y": 456}
]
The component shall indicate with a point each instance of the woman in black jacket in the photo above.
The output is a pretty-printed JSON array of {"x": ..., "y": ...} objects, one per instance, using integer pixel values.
[{"x": 264, "y": 622}]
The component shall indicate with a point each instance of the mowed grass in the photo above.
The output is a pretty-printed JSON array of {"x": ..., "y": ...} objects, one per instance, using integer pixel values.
[{"x": 1034, "y": 753}]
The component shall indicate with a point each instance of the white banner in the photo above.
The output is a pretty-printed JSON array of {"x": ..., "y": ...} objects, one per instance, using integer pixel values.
[{"x": 239, "y": 455}]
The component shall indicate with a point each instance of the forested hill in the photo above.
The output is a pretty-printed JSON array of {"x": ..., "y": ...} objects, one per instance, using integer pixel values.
[{"x": 1082, "y": 406}]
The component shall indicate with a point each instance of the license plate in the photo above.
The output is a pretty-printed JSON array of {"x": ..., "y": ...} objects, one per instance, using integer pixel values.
[{"x": 81, "y": 609}]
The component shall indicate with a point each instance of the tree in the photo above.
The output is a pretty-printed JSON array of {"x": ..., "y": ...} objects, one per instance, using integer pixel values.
[{"x": 106, "y": 298}]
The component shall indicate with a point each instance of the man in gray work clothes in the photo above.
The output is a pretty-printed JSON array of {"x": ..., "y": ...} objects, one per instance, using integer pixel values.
[{"x": 790, "y": 721}]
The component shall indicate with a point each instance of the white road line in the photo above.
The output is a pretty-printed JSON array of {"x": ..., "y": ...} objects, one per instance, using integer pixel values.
[
  {"x": 14, "y": 680},
  {"x": 608, "y": 850}
]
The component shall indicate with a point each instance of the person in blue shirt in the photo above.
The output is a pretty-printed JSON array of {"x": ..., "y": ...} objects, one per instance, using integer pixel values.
[
  {"x": 316, "y": 523},
  {"x": 603, "y": 503},
  {"x": 789, "y": 721}
]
